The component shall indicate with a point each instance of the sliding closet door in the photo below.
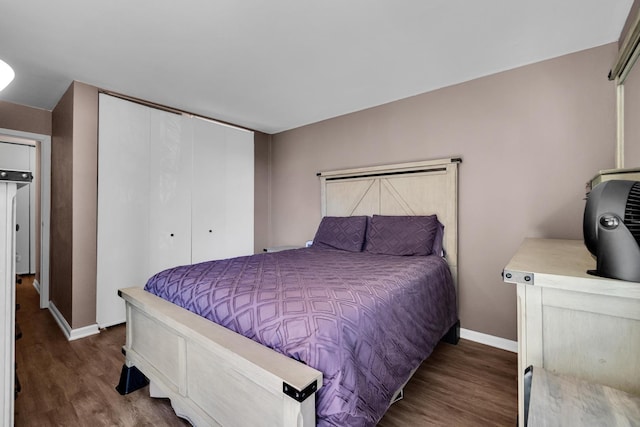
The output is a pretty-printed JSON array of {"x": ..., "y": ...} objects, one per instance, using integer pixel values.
[
  {"x": 239, "y": 192},
  {"x": 222, "y": 197},
  {"x": 170, "y": 191},
  {"x": 123, "y": 204}
]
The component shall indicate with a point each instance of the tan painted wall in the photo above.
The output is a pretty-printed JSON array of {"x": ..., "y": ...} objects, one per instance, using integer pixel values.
[
  {"x": 74, "y": 204},
  {"x": 262, "y": 150},
  {"x": 61, "y": 244},
  {"x": 530, "y": 138},
  {"x": 85, "y": 203},
  {"x": 25, "y": 119}
]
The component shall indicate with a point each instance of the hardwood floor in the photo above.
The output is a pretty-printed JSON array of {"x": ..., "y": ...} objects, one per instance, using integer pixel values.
[
  {"x": 73, "y": 383},
  {"x": 468, "y": 384}
]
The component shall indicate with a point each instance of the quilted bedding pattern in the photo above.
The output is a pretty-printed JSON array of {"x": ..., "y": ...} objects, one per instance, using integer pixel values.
[{"x": 364, "y": 320}]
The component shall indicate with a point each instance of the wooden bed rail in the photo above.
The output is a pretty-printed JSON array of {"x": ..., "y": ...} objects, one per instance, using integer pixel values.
[{"x": 212, "y": 375}]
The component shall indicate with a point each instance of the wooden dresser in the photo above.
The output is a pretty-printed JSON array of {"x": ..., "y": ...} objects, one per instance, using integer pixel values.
[{"x": 573, "y": 323}]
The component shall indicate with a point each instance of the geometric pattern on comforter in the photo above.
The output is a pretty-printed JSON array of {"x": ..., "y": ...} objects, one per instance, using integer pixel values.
[{"x": 364, "y": 320}]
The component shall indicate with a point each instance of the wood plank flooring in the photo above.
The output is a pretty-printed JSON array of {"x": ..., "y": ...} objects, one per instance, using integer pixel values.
[{"x": 73, "y": 383}]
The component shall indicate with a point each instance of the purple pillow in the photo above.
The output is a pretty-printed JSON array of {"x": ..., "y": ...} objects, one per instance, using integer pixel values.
[
  {"x": 437, "y": 248},
  {"x": 342, "y": 232},
  {"x": 401, "y": 235}
]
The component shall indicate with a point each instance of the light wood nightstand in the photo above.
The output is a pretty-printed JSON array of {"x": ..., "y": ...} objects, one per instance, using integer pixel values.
[{"x": 571, "y": 322}]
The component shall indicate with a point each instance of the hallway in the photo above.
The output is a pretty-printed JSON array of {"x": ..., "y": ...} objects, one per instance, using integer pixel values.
[{"x": 72, "y": 383}]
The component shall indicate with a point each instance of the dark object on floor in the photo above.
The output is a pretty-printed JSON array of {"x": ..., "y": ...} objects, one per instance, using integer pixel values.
[
  {"x": 453, "y": 334},
  {"x": 17, "y": 387},
  {"x": 528, "y": 374},
  {"x": 131, "y": 379}
]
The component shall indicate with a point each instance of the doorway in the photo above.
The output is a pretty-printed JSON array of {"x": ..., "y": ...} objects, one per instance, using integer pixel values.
[
  {"x": 21, "y": 155},
  {"x": 41, "y": 204}
]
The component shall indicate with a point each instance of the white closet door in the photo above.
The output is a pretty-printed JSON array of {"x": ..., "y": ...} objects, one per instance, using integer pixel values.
[
  {"x": 239, "y": 192},
  {"x": 123, "y": 204},
  {"x": 222, "y": 218},
  {"x": 170, "y": 191}
]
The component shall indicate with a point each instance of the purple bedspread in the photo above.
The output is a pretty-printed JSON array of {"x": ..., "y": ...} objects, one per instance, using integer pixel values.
[{"x": 364, "y": 320}]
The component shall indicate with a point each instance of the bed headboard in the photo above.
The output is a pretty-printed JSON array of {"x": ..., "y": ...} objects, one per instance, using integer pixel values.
[{"x": 417, "y": 188}]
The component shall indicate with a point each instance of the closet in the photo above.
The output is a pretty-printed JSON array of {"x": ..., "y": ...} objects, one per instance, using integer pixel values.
[{"x": 172, "y": 189}]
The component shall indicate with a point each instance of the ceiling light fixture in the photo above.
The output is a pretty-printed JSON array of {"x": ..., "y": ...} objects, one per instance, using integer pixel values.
[{"x": 6, "y": 74}]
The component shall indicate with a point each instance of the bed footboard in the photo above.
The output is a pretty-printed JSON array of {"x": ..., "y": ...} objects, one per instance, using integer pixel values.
[{"x": 212, "y": 375}]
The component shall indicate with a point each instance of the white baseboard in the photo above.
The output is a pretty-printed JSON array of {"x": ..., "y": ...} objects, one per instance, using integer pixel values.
[
  {"x": 490, "y": 340},
  {"x": 36, "y": 285},
  {"x": 71, "y": 334}
]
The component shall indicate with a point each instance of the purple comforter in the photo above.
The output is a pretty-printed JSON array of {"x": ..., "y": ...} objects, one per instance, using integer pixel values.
[{"x": 364, "y": 320}]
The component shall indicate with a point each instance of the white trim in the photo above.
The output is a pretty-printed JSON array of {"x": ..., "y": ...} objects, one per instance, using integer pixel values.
[
  {"x": 83, "y": 332},
  {"x": 36, "y": 285},
  {"x": 490, "y": 340},
  {"x": 71, "y": 334}
]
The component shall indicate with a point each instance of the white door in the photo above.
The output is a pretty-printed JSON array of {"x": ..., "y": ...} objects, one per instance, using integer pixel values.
[
  {"x": 239, "y": 193},
  {"x": 208, "y": 219},
  {"x": 123, "y": 204},
  {"x": 22, "y": 157},
  {"x": 170, "y": 191},
  {"x": 222, "y": 205}
]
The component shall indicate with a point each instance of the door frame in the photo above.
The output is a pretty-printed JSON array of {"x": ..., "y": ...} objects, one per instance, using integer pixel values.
[{"x": 45, "y": 206}]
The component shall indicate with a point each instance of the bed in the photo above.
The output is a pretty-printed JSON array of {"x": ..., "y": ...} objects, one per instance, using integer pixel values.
[{"x": 219, "y": 373}]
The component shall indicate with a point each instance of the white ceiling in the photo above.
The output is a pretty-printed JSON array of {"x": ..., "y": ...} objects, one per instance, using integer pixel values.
[{"x": 276, "y": 65}]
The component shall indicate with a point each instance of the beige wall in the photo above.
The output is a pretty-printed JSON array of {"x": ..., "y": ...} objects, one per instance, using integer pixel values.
[
  {"x": 529, "y": 138},
  {"x": 74, "y": 204},
  {"x": 25, "y": 119},
  {"x": 85, "y": 203},
  {"x": 60, "y": 267},
  {"x": 262, "y": 150}
]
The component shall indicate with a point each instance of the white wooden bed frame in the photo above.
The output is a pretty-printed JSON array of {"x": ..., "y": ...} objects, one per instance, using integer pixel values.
[{"x": 214, "y": 376}]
